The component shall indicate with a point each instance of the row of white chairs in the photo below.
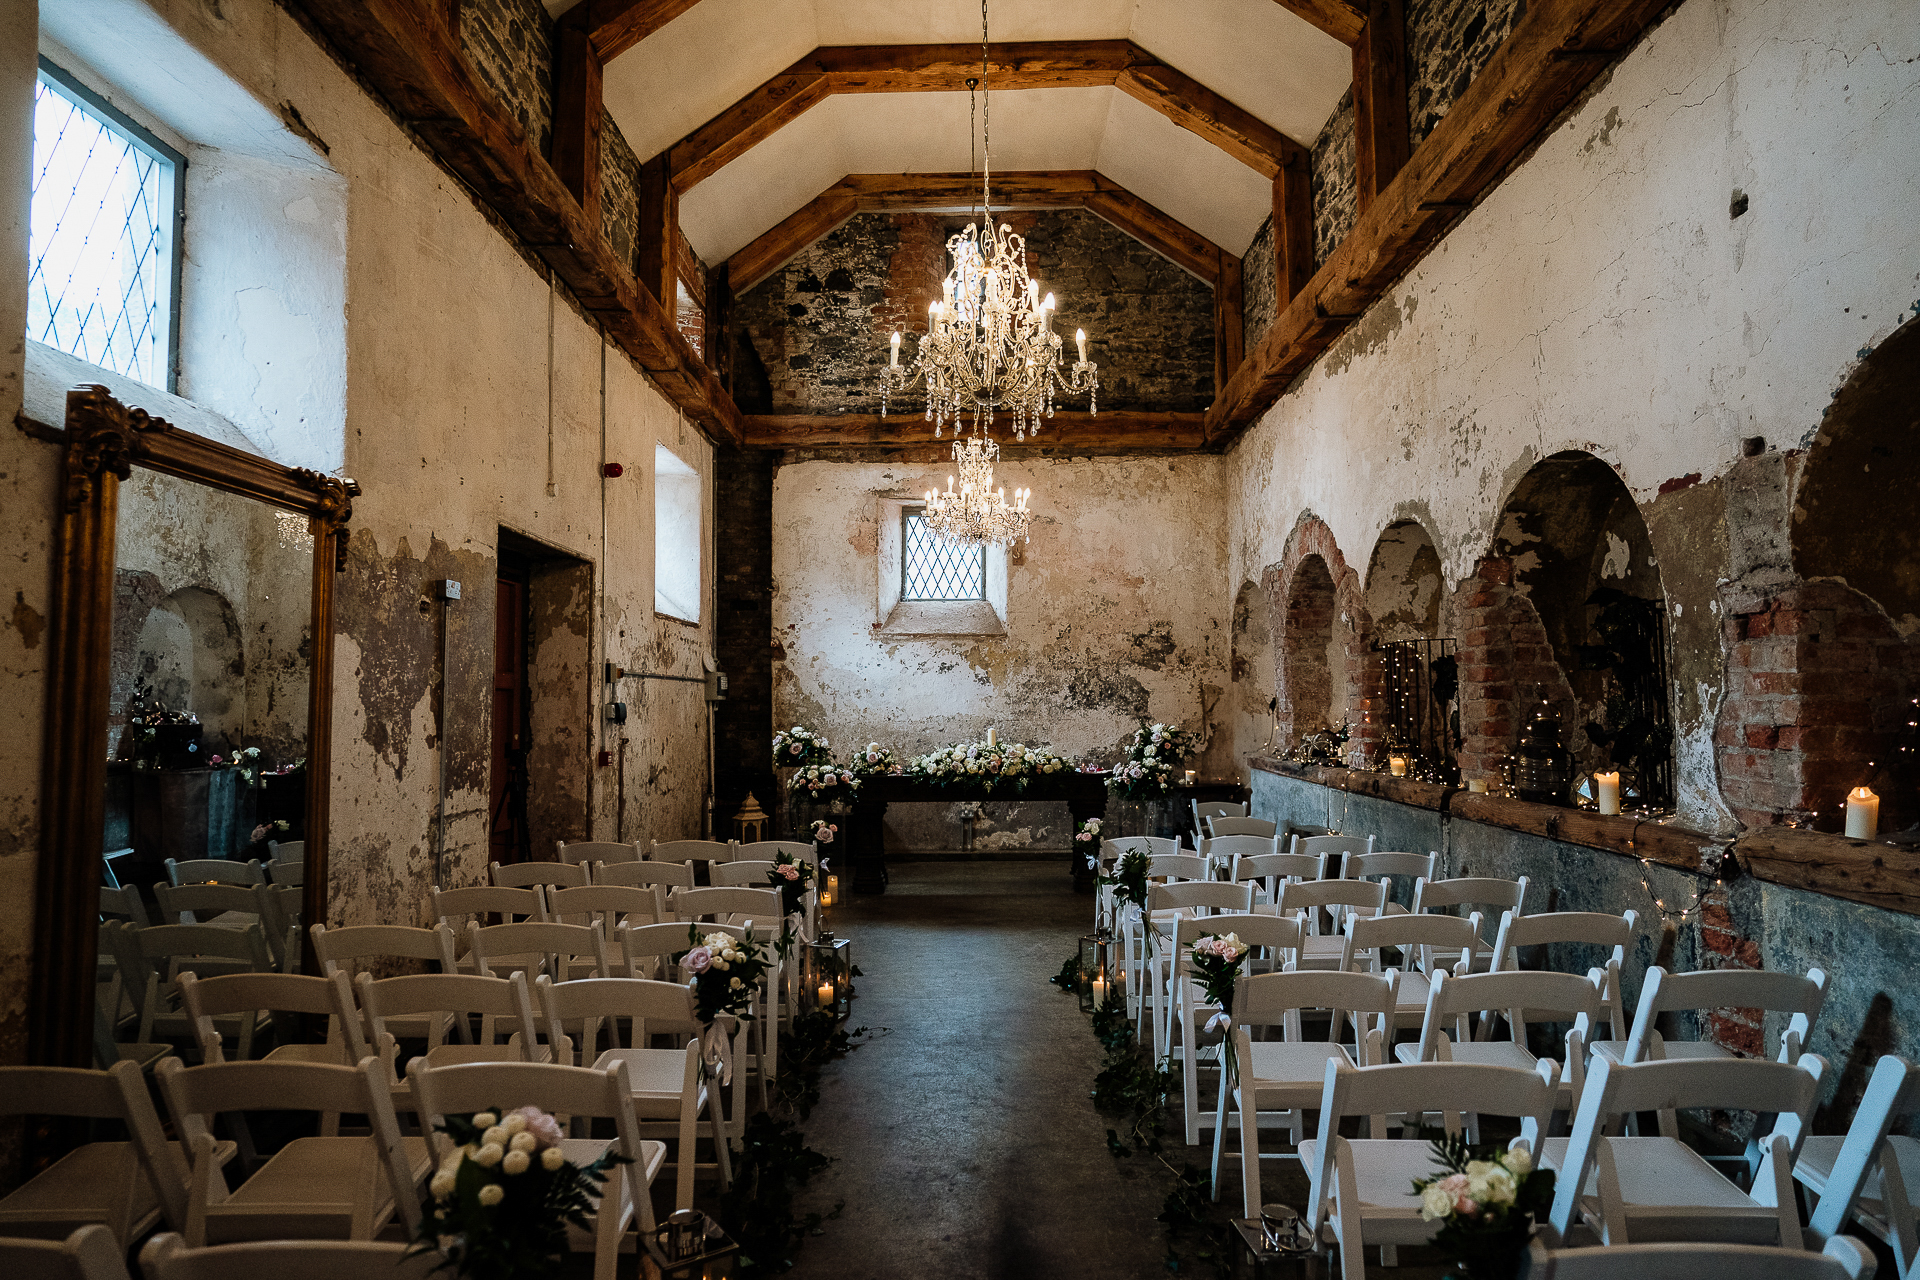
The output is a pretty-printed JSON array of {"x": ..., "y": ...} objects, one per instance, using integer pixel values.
[{"x": 585, "y": 851}]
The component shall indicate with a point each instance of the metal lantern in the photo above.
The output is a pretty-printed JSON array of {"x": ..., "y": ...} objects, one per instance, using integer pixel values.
[
  {"x": 1277, "y": 1244},
  {"x": 1101, "y": 971},
  {"x": 688, "y": 1246},
  {"x": 829, "y": 973},
  {"x": 1540, "y": 764}
]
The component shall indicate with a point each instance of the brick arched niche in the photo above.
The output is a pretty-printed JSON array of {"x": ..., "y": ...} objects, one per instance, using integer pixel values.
[
  {"x": 1822, "y": 671},
  {"x": 1419, "y": 679},
  {"x": 1323, "y": 633},
  {"x": 1568, "y": 610},
  {"x": 1404, "y": 584}
]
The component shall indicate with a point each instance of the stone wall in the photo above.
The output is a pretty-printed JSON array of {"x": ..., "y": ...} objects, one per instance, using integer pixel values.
[
  {"x": 1448, "y": 41},
  {"x": 619, "y": 190},
  {"x": 1335, "y": 188},
  {"x": 511, "y": 44},
  {"x": 821, "y": 324},
  {"x": 1261, "y": 296}
]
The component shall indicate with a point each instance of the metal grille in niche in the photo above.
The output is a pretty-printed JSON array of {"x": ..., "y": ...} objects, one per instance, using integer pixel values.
[
  {"x": 1628, "y": 641},
  {"x": 1421, "y": 680},
  {"x": 931, "y": 568},
  {"x": 103, "y": 253}
]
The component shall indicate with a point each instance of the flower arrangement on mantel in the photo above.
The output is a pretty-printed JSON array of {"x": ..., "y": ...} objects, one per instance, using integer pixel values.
[
  {"x": 800, "y": 746},
  {"x": 824, "y": 783},
  {"x": 986, "y": 767},
  {"x": 1486, "y": 1202},
  {"x": 1153, "y": 757},
  {"x": 501, "y": 1200},
  {"x": 873, "y": 762}
]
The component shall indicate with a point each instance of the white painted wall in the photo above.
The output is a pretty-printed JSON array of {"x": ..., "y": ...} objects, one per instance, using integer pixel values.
[{"x": 1601, "y": 298}]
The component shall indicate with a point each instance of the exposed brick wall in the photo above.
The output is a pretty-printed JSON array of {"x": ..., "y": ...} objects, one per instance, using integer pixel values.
[
  {"x": 1819, "y": 684},
  {"x": 510, "y": 43},
  {"x": 1335, "y": 189},
  {"x": 1257, "y": 282},
  {"x": 743, "y": 633},
  {"x": 1448, "y": 41},
  {"x": 1317, "y": 601},
  {"x": 1506, "y": 665},
  {"x": 619, "y": 191},
  {"x": 820, "y": 325}
]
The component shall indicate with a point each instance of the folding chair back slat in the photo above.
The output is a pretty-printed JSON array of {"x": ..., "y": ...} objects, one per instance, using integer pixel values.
[
  {"x": 214, "y": 871},
  {"x": 691, "y": 851},
  {"x": 581, "y": 852},
  {"x": 524, "y": 875},
  {"x": 1261, "y": 827},
  {"x": 674, "y": 875}
]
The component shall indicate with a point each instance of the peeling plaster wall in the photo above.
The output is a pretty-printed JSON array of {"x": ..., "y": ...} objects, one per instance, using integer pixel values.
[
  {"x": 1601, "y": 298},
  {"x": 1114, "y": 612}
]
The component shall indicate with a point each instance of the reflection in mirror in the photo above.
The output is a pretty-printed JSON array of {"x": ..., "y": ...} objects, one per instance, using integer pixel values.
[{"x": 207, "y": 711}]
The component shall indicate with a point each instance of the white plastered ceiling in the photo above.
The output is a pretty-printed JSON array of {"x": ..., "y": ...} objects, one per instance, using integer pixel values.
[{"x": 1253, "y": 52}]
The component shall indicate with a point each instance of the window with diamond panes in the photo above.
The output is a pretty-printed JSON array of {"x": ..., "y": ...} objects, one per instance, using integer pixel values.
[
  {"x": 932, "y": 568},
  {"x": 104, "y": 244}
]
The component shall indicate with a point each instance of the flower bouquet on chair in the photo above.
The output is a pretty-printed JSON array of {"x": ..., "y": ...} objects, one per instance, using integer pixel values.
[
  {"x": 724, "y": 974},
  {"x": 792, "y": 878},
  {"x": 500, "y": 1203},
  {"x": 1486, "y": 1201},
  {"x": 1129, "y": 882},
  {"x": 1216, "y": 967}
]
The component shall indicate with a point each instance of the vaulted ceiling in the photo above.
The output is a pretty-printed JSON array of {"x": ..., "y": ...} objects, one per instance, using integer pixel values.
[{"x": 1262, "y": 58}]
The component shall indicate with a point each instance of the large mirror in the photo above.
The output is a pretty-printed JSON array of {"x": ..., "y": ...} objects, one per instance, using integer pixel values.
[{"x": 189, "y": 698}]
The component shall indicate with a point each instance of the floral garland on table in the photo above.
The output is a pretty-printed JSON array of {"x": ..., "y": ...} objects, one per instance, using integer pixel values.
[
  {"x": 1487, "y": 1202},
  {"x": 503, "y": 1197},
  {"x": 978, "y": 766},
  {"x": 800, "y": 746},
  {"x": 724, "y": 972},
  {"x": 824, "y": 783},
  {"x": 245, "y": 762},
  {"x": 873, "y": 762},
  {"x": 1153, "y": 754},
  {"x": 1216, "y": 967}
]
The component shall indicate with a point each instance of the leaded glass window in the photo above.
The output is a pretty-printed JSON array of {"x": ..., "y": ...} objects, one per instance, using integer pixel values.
[
  {"x": 932, "y": 568},
  {"x": 104, "y": 268}
]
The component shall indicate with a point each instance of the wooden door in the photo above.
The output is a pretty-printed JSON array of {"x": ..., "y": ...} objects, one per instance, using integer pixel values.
[{"x": 507, "y": 781}]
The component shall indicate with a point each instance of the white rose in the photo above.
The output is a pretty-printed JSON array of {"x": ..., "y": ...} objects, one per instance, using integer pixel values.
[
  {"x": 735, "y": 983},
  {"x": 551, "y": 1159},
  {"x": 514, "y": 1122},
  {"x": 489, "y": 1155},
  {"x": 493, "y": 1193},
  {"x": 515, "y": 1163},
  {"x": 1435, "y": 1203},
  {"x": 442, "y": 1185},
  {"x": 522, "y": 1141},
  {"x": 1518, "y": 1160},
  {"x": 495, "y": 1136},
  {"x": 485, "y": 1120}
]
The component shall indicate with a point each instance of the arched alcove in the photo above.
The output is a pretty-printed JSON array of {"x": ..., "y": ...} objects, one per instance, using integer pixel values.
[
  {"x": 1404, "y": 584},
  {"x": 189, "y": 649},
  {"x": 1314, "y": 652},
  {"x": 1419, "y": 680},
  {"x": 1251, "y": 666}
]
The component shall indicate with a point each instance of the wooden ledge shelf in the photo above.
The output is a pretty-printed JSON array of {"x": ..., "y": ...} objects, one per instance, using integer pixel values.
[{"x": 1864, "y": 871}]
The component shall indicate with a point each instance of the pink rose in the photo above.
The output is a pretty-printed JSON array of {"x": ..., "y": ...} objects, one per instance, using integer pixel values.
[
  {"x": 789, "y": 871},
  {"x": 260, "y": 833},
  {"x": 698, "y": 960},
  {"x": 213, "y": 760},
  {"x": 796, "y": 748},
  {"x": 544, "y": 1128}
]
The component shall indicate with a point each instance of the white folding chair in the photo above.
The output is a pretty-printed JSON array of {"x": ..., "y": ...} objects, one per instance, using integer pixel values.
[
  {"x": 90, "y": 1253},
  {"x": 1567, "y": 928},
  {"x": 1190, "y": 1014},
  {"x": 1336, "y": 899},
  {"x": 1362, "y": 1189},
  {"x": 581, "y": 852},
  {"x": 168, "y": 1257},
  {"x": 1466, "y": 893},
  {"x": 582, "y": 1093},
  {"x": 1204, "y": 809},
  {"x": 231, "y": 906},
  {"x": 280, "y": 906},
  {"x": 744, "y": 874},
  {"x": 291, "y": 874},
  {"x": 1652, "y": 1189},
  {"x": 1283, "y": 1079},
  {"x": 1663, "y": 992},
  {"x": 1111, "y": 850},
  {"x": 168, "y": 950},
  {"x": 458, "y": 908},
  {"x": 1871, "y": 1174},
  {"x": 724, "y": 905},
  {"x": 1395, "y": 868},
  {"x": 1333, "y": 848},
  {"x": 770, "y": 850},
  {"x": 286, "y": 852},
  {"x": 524, "y": 875},
  {"x": 1241, "y": 826},
  {"x": 1167, "y": 905},
  {"x": 1268, "y": 871},
  {"x": 204, "y": 999},
  {"x": 347, "y": 950},
  {"x": 1422, "y": 940},
  {"x": 691, "y": 851},
  {"x": 126, "y": 1187},
  {"x": 322, "y": 1187},
  {"x": 544, "y": 946},
  {"x": 669, "y": 1087},
  {"x": 1843, "y": 1258},
  {"x": 609, "y": 905},
  {"x": 214, "y": 871}
]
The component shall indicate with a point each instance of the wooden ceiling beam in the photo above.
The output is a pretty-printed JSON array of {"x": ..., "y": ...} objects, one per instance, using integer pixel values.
[
  {"x": 618, "y": 25},
  {"x": 409, "y": 54},
  {"x": 942, "y": 192},
  {"x": 1552, "y": 53},
  {"x": 1337, "y": 18},
  {"x": 910, "y": 434},
  {"x": 578, "y": 108},
  {"x": 1382, "y": 137},
  {"x": 931, "y": 68}
]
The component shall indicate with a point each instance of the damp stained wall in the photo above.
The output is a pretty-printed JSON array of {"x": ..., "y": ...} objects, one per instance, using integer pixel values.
[
  {"x": 1602, "y": 298},
  {"x": 1113, "y": 613}
]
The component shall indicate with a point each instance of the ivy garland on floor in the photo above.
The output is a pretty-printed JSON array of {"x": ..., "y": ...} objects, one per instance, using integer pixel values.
[{"x": 1133, "y": 1092}]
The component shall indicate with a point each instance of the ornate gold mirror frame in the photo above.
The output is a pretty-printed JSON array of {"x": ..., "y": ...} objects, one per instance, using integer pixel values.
[{"x": 103, "y": 440}]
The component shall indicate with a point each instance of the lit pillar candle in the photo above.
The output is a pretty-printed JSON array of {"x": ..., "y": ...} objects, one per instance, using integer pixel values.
[
  {"x": 825, "y": 994},
  {"x": 1863, "y": 814},
  {"x": 1397, "y": 766},
  {"x": 894, "y": 360},
  {"x": 1099, "y": 992},
  {"x": 1191, "y": 775},
  {"x": 1607, "y": 791},
  {"x": 1478, "y": 786},
  {"x": 993, "y": 736}
]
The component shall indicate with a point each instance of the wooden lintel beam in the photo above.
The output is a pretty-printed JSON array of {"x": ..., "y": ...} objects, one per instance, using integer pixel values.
[
  {"x": 719, "y": 317},
  {"x": 655, "y": 260},
  {"x": 1065, "y": 432},
  {"x": 1229, "y": 321},
  {"x": 618, "y": 25},
  {"x": 1541, "y": 67},
  {"x": 1292, "y": 229},
  {"x": 410, "y": 55},
  {"x": 1337, "y": 18},
  {"x": 939, "y": 192},
  {"x": 578, "y": 107},
  {"x": 927, "y": 68},
  {"x": 1381, "y": 134}
]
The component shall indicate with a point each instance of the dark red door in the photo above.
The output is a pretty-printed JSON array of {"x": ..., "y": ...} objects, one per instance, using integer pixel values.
[{"x": 507, "y": 780}]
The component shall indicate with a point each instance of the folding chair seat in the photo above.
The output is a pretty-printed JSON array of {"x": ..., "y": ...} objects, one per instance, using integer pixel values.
[
  {"x": 670, "y": 1088},
  {"x": 1842, "y": 1259},
  {"x": 1567, "y": 928},
  {"x": 90, "y": 1253},
  {"x": 126, "y": 1187},
  {"x": 1189, "y": 1013},
  {"x": 1362, "y": 1188},
  {"x": 1652, "y": 1189},
  {"x": 582, "y": 1093},
  {"x": 583, "y": 852},
  {"x": 167, "y": 1257},
  {"x": 1289, "y": 1075},
  {"x": 325, "y": 1187},
  {"x": 1870, "y": 1175}
]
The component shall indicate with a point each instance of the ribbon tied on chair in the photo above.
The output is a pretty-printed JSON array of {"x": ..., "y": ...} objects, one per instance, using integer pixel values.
[{"x": 716, "y": 1047}]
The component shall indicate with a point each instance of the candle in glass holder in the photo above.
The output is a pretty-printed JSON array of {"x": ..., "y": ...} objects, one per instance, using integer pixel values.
[
  {"x": 1478, "y": 786},
  {"x": 1099, "y": 992},
  {"x": 1397, "y": 766},
  {"x": 1191, "y": 775},
  {"x": 825, "y": 995},
  {"x": 1863, "y": 814},
  {"x": 1607, "y": 791}
]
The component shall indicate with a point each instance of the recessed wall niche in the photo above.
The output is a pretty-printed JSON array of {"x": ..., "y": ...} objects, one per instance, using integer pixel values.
[{"x": 1418, "y": 677}]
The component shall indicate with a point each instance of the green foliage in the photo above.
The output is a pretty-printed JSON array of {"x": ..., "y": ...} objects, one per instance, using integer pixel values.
[
  {"x": 758, "y": 1209},
  {"x": 1197, "y": 1231},
  {"x": 816, "y": 1039},
  {"x": 1068, "y": 979}
]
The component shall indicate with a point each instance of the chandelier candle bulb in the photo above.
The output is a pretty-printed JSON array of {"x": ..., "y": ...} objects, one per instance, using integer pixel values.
[
  {"x": 1080, "y": 340},
  {"x": 1608, "y": 791},
  {"x": 894, "y": 359},
  {"x": 1863, "y": 814}
]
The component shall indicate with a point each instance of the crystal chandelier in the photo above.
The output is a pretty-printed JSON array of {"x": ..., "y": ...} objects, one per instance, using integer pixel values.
[
  {"x": 976, "y": 514},
  {"x": 990, "y": 342}
]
